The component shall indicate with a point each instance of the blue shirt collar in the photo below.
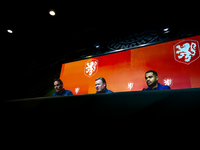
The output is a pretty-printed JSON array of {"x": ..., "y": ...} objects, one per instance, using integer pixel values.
[
  {"x": 104, "y": 91},
  {"x": 63, "y": 90},
  {"x": 155, "y": 88}
]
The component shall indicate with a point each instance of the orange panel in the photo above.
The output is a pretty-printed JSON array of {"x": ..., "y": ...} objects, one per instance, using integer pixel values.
[{"x": 176, "y": 62}]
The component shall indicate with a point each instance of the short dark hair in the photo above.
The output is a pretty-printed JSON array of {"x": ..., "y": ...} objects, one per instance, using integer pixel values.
[
  {"x": 101, "y": 78},
  {"x": 154, "y": 72},
  {"x": 57, "y": 79}
]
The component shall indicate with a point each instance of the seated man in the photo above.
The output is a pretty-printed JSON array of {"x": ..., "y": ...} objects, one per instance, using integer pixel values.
[
  {"x": 100, "y": 84},
  {"x": 60, "y": 91},
  {"x": 151, "y": 77}
]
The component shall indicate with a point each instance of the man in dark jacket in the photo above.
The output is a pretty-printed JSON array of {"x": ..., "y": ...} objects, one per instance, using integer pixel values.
[
  {"x": 60, "y": 91},
  {"x": 151, "y": 77},
  {"x": 100, "y": 84}
]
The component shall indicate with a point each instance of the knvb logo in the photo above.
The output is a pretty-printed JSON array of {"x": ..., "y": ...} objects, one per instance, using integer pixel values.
[
  {"x": 186, "y": 51},
  {"x": 168, "y": 81},
  {"x": 77, "y": 90},
  {"x": 91, "y": 67},
  {"x": 130, "y": 86}
]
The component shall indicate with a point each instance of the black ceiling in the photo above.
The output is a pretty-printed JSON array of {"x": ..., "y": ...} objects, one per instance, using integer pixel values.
[
  {"x": 32, "y": 24},
  {"x": 76, "y": 25}
]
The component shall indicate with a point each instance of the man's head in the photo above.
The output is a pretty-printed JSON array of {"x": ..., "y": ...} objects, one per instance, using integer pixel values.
[
  {"x": 151, "y": 77},
  {"x": 58, "y": 85},
  {"x": 100, "y": 84}
]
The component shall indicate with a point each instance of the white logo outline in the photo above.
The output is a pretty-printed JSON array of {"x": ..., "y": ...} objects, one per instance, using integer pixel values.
[
  {"x": 77, "y": 89},
  {"x": 178, "y": 44},
  {"x": 168, "y": 81},
  {"x": 130, "y": 85},
  {"x": 91, "y": 67}
]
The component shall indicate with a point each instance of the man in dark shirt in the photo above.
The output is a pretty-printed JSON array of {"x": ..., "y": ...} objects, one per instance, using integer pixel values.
[
  {"x": 100, "y": 84},
  {"x": 60, "y": 91},
  {"x": 151, "y": 77}
]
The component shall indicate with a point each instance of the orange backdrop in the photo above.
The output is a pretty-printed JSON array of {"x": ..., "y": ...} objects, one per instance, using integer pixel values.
[{"x": 124, "y": 71}]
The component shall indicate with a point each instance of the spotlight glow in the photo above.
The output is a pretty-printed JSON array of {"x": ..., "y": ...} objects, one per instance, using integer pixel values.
[
  {"x": 166, "y": 29},
  {"x": 9, "y": 31},
  {"x": 52, "y": 13}
]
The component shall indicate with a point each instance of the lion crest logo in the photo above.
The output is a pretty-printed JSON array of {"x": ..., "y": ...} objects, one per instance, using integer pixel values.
[
  {"x": 130, "y": 85},
  {"x": 168, "y": 81},
  {"x": 91, "y": 67},
  {"x": 186, "y": 51}
]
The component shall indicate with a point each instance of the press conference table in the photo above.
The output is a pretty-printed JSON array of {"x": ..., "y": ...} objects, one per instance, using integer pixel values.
[{"x": 165, "y": 103}]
